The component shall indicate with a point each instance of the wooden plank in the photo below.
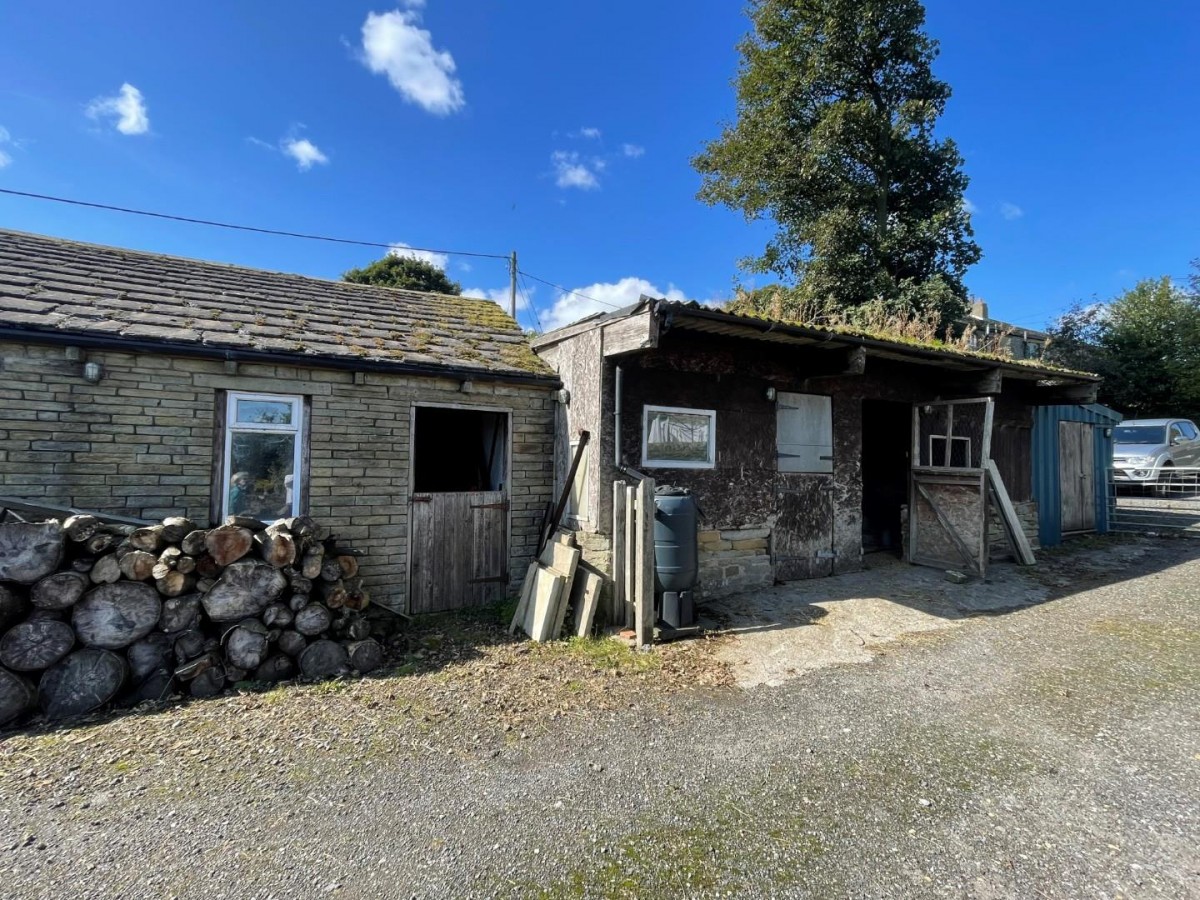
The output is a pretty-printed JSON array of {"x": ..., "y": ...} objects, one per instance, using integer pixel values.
[
  {"x": 634, "y": 332},
  {"x": 585, "y": 596},
  {"x": 948, "y": 527},
  {"x": 630, "y": 555},
  {"x": 525, "y": 599},
  {"x": 543, "y": 608},
  {"x": 644, "y": 609},
  {"x": 616, "y": 611},
  {"x": 1008, "y": 516},
  {"x": 420, "y": 564}
]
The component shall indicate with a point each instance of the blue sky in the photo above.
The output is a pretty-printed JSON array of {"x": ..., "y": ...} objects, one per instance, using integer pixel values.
[{"x": 564, "y": 131}]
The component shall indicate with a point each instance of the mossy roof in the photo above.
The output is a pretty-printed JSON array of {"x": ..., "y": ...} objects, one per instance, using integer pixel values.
[{"x": 52, "y": 284}]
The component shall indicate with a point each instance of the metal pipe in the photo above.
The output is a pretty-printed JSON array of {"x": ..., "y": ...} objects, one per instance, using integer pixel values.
[{"x": 617, "y": 419}]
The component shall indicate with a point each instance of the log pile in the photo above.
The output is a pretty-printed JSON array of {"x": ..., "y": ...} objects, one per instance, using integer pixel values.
[{"x": 93, "y": 612}]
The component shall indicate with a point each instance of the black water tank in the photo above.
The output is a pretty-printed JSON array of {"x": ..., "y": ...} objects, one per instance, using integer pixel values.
[{"x": 676, "y": 554}]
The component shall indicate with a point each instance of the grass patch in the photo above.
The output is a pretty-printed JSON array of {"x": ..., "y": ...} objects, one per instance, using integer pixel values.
[{"x": 605, "y": 654}]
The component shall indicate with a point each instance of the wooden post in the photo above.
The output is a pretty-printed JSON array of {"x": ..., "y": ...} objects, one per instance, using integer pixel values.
[
  {"x": 630, "y": 555},
  {"x": 617, "y": 608},
  {"x": 644, "y": 612}
]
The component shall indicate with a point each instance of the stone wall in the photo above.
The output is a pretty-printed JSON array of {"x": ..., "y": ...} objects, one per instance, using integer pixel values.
[
  {"x": 734, "y": 560},
  {"x": 1027, "y": 513},
  {"x": 143, "y": 442}
]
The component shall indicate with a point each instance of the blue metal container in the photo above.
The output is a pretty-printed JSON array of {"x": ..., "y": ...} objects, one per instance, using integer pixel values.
[{"x": 1047, "y": 486}]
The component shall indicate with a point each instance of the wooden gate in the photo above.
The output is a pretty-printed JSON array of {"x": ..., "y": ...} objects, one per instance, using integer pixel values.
[
  {"x": 1077, "y": 476},
  {"x": 459, "y": 550},
  {"x": 948, "y": 512}
]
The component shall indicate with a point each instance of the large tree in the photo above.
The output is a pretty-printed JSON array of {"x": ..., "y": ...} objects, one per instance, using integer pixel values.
[
  {"x": 834, "y": 141},
  {"x": 1146, "y": 344},
  {"x": 404, "y": 272}
]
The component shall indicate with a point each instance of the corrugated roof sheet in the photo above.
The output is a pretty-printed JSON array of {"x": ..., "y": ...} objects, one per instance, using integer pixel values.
[{"x": 52, "y": 284}]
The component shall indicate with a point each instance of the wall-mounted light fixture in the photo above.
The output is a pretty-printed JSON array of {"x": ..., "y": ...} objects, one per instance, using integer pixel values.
[
  {"x": 1108, "y": 432},
  {"x": 770, "y": 395},
  {"x": 92, "y": 372},
  {"x": 466, "y": 387}
]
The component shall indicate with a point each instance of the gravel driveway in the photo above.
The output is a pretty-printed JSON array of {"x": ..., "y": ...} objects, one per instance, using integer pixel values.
[{"x": 1052, "y": 750}]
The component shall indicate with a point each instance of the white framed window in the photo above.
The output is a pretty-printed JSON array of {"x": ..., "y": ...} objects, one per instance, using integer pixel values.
[
  {"x": 264, "y": 438},
  {"x": 679, "y": 438}
]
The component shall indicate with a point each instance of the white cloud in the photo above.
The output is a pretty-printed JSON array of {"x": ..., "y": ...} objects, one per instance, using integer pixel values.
[
  {"x": 1011, "y": 211},
  {"x": 633, "y": 151},
  {"x": 441, "y": 260},
  {"x": 603, "y": 297},
  {"x": 571, "y": 172},
  {"x": 127, "y": 107},
  {"x": 970, "y": 207},
  {"x": 591, "y": 134},
  {"x": 304, "y": 152},
  {"x": 501, "y": 296},
  {"x": 5, "y": 138},
  {"x": 394, "y": 45}
]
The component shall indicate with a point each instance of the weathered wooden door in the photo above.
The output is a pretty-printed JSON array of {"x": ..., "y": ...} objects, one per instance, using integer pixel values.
[
  {"x": 802, "y": 541},
  {"x": 459, "y": 550},
  {"x": 948, "y": 515},
  {"x": 1077, "y": 476}
]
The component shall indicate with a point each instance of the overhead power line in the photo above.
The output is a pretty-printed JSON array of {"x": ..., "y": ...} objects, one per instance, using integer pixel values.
[
  {"x": 565, "y": 290},
  {"x": 251, "y": 228}
]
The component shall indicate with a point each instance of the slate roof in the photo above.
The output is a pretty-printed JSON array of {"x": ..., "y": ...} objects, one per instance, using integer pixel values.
[{"x": 53, "y": 285}]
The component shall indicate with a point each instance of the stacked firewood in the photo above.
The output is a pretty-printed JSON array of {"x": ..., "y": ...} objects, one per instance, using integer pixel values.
[{"x": 93, "y": 613}]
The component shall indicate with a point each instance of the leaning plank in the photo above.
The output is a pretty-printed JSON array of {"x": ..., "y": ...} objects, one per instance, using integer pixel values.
[
  {"x": 616, "y": 612},
  {"x": 644, "y": 607},
  {"x": 16, "y": 695},
  {"x": 518, "y": 619},
  {"x": 36, "y": 644},
  {"x": 1008, "y": 516},
  {"x": 113, "y": 616},
  {"x": 543, "y": 608},
  {"x": 62, "y": 512},
  {"x": 30, "y": 550},
  {"x": 84, "y": 681},
  {"x": 585, "y": 595}
]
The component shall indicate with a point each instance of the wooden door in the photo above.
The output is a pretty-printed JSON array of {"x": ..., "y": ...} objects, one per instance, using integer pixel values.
[
  {"x": 804, "y": 433},
  {"x": 802, "y": 541},
  {"x": 948, "y": 515},
  {"x": 459, "y": 550},
  {"x": 1077, "y": 476}
]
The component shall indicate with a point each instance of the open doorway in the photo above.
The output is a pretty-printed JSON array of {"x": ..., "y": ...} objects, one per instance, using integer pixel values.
[
  {"x": 458, "y": 512},
  {"x": 886, "y": 448},
  {"x": 459, "y": 450}
]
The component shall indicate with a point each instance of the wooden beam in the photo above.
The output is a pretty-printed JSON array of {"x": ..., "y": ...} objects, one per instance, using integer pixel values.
[
  {"x": 1008, "y": 517},
  {"x": 644, "y": 611},
  {"x": 616, "y": 612}
]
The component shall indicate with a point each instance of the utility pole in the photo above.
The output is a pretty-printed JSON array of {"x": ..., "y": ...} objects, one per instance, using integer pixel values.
[{"x": 512, "y": 287}]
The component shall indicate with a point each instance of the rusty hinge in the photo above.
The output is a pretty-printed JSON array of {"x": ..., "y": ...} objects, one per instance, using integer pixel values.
[
  {"x": 490, "y": 579},
  {"x": 503, "y": 504}
]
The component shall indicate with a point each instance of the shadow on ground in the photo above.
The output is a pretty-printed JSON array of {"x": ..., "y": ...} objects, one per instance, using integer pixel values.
[{"x": 781, "y": 632}]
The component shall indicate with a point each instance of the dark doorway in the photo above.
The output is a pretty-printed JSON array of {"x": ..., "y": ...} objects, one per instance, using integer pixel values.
[
  {"x": 886, "y": 448},
  {"x": 458, "y": 450}
]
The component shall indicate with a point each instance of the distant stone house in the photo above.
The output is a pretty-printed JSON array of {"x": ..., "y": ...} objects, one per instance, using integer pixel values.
[
  {"x": 417, "y": 427},
  {"x": 1003, "y": 337}
]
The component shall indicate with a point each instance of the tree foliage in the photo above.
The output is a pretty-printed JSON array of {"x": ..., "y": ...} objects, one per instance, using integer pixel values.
[
  {"x": 834, "y": 140},
  {"x": 1146, "y": 344},
  {"x": 404, "y": 272}
]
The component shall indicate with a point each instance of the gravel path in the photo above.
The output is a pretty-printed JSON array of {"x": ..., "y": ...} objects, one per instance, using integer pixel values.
[{"x": 1049, "y": 751}]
